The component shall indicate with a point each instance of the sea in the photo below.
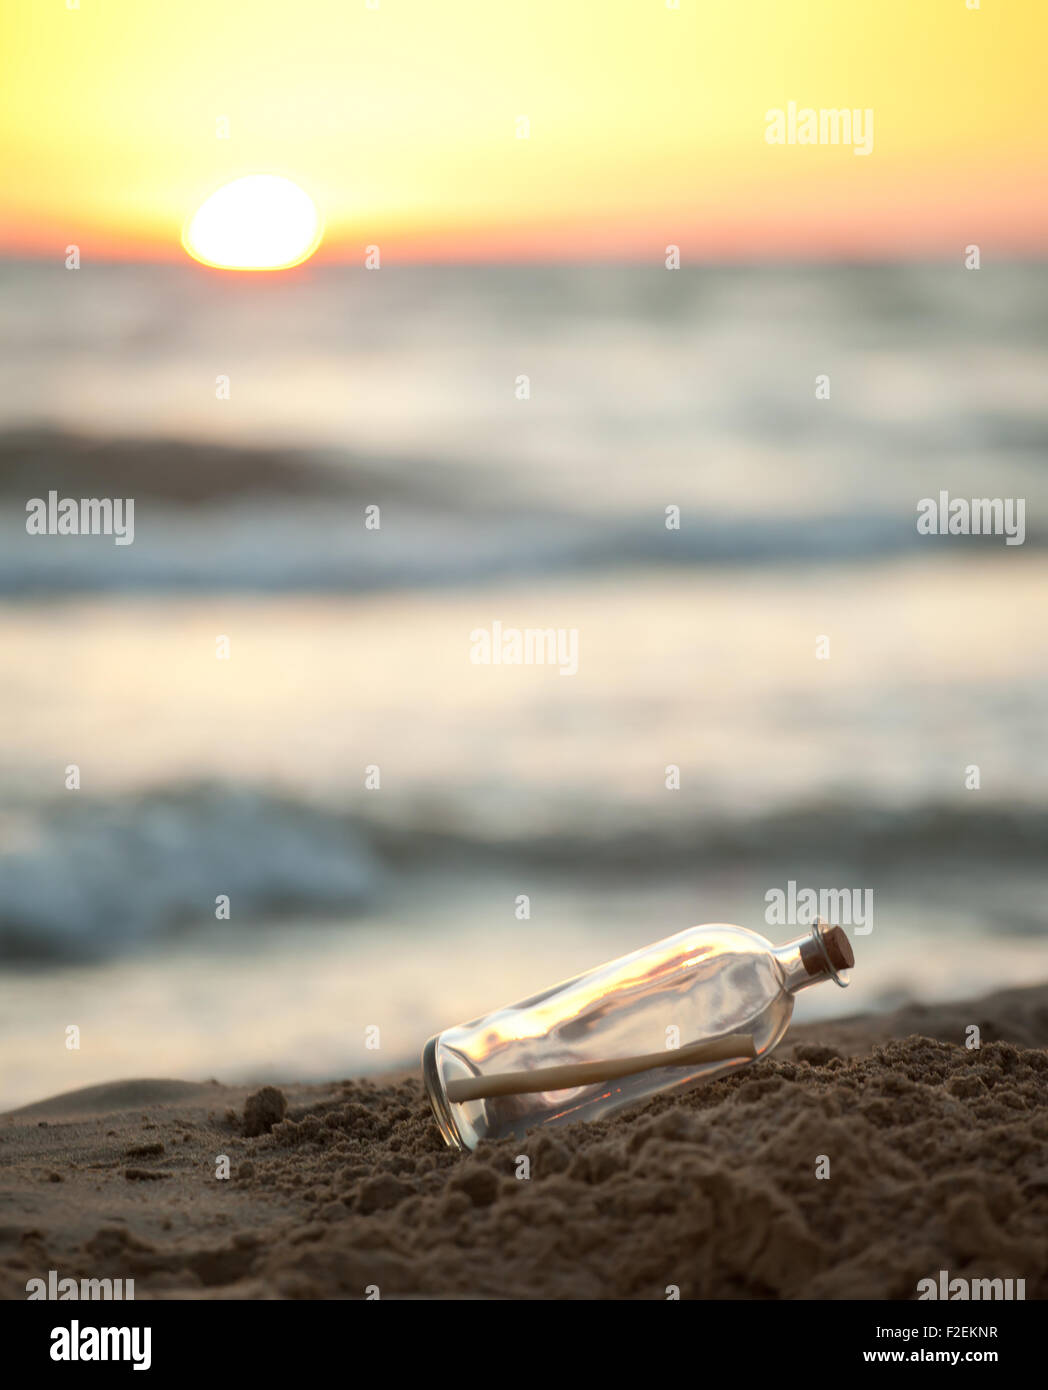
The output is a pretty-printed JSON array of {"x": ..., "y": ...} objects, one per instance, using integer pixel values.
[{"x": 267, "y": 814}]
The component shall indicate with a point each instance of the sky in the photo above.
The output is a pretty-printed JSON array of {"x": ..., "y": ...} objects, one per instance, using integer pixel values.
[{"x": 646, "y": 125}]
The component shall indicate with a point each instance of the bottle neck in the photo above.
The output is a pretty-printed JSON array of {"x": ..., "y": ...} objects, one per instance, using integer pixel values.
[{"x": 806, "y": 961}]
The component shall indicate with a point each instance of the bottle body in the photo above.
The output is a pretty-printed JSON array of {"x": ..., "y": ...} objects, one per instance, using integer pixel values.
[{"x": 703, "y": 984}]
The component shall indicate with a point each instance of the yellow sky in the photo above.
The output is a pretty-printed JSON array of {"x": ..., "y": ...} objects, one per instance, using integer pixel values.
[{"x": 647, "y": 124}]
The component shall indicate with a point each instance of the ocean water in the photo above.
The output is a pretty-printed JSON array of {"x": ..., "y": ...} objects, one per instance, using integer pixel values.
[{"x": 397, "y": 907}]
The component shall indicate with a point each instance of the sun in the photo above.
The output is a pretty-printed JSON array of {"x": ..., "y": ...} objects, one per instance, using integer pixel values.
[{"x": 259, "y": 222}]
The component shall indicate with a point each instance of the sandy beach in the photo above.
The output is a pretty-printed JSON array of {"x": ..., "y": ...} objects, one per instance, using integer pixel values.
[
  {"x": 488, "y": 501},
  {"x": 937, "y": 1161}
]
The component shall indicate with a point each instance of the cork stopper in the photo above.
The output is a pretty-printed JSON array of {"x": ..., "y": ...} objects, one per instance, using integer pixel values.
[{"x": 828, "y": 945}]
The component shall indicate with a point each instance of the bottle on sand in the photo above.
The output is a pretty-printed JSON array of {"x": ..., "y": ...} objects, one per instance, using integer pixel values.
[{"x": 696, "y": 1005}]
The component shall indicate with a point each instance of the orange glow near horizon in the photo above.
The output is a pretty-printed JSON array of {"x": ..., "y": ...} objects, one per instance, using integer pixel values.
[{"x": 469, "y": 131}]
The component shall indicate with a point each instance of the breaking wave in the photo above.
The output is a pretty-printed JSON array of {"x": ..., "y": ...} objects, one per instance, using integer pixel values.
[{"x": 90, "y": 880}]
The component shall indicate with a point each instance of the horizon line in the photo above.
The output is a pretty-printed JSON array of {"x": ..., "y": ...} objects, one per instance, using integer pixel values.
[{"x": 842, "y": 259}]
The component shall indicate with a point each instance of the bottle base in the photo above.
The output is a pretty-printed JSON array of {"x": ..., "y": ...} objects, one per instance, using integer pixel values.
[{"x": 437, "y": 1098}]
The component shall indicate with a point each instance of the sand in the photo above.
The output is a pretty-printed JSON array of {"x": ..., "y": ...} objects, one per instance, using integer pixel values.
[{"x": 938, "y": 1159}]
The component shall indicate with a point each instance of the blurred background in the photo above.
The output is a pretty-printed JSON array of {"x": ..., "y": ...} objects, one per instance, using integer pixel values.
[{"x": 649, "y": 388}]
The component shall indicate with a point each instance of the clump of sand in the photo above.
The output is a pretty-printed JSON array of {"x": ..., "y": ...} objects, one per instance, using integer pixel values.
[
  {"x": 263, "y": 1110},
  {"x": 937, "y": 1158}
]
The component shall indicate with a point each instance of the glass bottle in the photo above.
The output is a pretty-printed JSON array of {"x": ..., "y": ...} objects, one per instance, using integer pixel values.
[{"x": 693, "y": 1006}]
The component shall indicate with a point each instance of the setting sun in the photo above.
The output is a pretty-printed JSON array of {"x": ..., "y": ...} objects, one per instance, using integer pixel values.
[
  {"x": 260, "y": 222},
  {"x": 417, "y": 127}
]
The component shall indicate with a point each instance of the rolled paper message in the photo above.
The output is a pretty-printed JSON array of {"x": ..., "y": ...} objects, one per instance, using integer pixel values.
[{"x": 566, "y": 1078}]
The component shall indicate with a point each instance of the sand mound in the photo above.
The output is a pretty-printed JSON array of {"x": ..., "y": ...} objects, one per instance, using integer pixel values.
[
  {"x": 937, "y": 1158},
  {"x": 110, "y": 1097}
]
